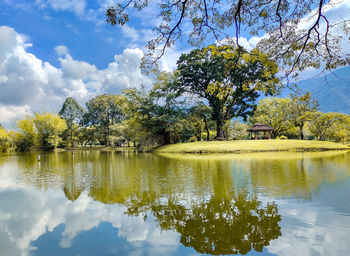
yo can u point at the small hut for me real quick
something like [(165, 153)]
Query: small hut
[(259, 128)]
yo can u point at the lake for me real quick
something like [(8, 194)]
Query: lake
[(112, 203)]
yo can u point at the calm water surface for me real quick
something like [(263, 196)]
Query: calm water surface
[(109, 203)]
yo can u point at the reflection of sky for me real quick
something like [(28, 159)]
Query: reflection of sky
[(44, 222), (27, 215)]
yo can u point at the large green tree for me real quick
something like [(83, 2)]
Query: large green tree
[(157, 112), (49, 127), (73, 113), (27, 135), (229, 78), (300, 110), (330, 126), (104, 110), (297, 33)]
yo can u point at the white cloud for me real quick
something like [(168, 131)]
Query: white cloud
[(130, 32), (61, 50), (76, 6), (11, 113), (29, 84)]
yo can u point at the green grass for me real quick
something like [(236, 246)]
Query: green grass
[(282, 155), (245, 146)]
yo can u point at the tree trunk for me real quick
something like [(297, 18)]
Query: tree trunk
[(199, 133), (301, 133), (166, 138), (206, 128), (71, 138), (220, 135)]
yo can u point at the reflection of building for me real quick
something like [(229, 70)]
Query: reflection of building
[(258, 129)]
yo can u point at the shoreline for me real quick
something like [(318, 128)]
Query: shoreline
[(221, 147), (251, 146)]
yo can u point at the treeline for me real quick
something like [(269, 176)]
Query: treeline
[(139, 118), (210, 88)]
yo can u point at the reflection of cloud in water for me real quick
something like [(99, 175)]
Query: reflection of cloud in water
[(311, 230), (27, 214)]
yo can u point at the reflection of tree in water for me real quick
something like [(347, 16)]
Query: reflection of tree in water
[(217, 226)]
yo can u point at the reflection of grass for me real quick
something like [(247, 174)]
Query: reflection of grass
[(244, 146), (102, 148), (255, 155)]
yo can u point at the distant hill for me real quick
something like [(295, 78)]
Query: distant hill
[(332, 92)]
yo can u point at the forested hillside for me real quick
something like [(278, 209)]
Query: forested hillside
[(332, 91)]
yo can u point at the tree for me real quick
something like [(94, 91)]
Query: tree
[(199, 115), (6, 140), (329, 126), (297, 33), (73, 113), (275, 113), (104, 110), (157, 111), (49, 128), (87, 135), (27, 135), (300, 110), (229, 78), (237, 130)]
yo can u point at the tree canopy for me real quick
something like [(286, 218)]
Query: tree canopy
[(73, 113), (229, 78), (274, 112), (297, 33), (104, 110)]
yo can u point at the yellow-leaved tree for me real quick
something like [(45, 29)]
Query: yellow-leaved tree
[(49, 128)]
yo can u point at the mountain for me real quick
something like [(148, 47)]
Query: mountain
[(332, 91)]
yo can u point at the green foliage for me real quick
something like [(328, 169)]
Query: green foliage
[(6, 140), (87, 135), (157, 112), (73, 113), (229, 78), (275, 112), (27, 135), (301, 109), (236, 130), (49, 127), (200, 119), (104, 111), (330, 126)]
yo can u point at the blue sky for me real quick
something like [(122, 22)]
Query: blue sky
[(86, 34), (53, 49)]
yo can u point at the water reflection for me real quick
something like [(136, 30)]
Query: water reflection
[(210, 204), (216, 226)]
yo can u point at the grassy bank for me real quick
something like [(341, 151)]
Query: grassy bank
[(245, 146)]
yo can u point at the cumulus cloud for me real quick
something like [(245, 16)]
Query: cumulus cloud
[(10, 113), (29, 84)]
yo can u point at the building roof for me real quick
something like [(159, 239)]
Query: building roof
[(260, 128)]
